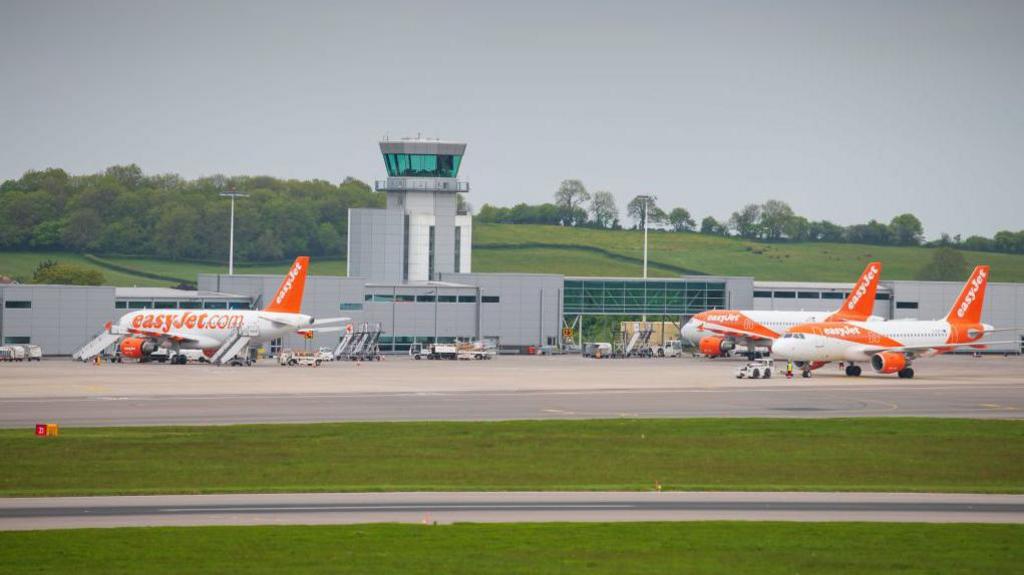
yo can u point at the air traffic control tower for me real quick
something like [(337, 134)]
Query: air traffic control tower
[(419, 235)]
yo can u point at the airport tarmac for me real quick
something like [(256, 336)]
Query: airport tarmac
[(506, 388), (348, 508)]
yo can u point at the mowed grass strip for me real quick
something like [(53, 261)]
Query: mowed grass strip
[(707, 547), (701, 454)]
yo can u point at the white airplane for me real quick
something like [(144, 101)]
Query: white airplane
[(890, 346), (716, 332), (214, 331)]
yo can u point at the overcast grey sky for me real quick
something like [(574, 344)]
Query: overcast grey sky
[(846, 110)]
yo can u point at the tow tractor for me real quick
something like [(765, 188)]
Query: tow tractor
[(757, 369), (291, 357)]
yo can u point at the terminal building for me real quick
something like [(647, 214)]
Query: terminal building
[(410, 273)]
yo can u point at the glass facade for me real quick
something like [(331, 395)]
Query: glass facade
[(458, 248), (14, 304), (430, 256), (422, 165), (630, 296)]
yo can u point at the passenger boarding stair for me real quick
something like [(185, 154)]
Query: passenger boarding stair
[(96, 345), (234, 345), (343, 346), (633, 339), (361, 344)]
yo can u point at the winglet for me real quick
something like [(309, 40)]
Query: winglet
[(860, 304), (288, 298), (967, 308)]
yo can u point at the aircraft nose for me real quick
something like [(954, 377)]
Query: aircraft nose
[(782, 348), (689, 331)]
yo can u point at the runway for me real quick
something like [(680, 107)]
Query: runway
[(345, 508), (801, 400)]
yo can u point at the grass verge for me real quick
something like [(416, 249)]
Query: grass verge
[(942, 455), (709, 547)]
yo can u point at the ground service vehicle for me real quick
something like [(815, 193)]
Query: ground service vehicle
[(717, 332), (33, 352), (16, 353), (293, 358), (759, 368), (672, 348), (474, 350), (597, 349), (891, 346), (434, 351)]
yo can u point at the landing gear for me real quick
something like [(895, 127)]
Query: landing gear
[(853, 370), (906, 373), (179, 360), (805, 373)]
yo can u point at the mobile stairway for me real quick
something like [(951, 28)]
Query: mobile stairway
[(101, 341), (237, 344), (360, 344)]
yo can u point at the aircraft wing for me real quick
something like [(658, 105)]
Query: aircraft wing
[(322, 329), (920, 350), (323, 320), (735, 333), (283, 320)]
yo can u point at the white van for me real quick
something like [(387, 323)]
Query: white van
[(33, 352), (17, 353)]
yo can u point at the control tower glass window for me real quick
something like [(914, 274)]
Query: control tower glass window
[(422, 165)]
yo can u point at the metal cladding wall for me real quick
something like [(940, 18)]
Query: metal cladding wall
[(376, 244), (529, 309), (61, 318)]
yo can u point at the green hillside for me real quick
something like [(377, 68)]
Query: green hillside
[(118, 271), (530, 248), (579, 252)]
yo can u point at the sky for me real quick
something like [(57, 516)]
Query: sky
[(847, 110)]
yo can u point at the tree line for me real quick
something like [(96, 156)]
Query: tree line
[(124, 211), (771, 221)]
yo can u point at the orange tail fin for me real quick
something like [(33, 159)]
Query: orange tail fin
[(288, 298), (967, 308), (860, 304)]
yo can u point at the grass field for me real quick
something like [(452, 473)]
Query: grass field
[(515, 246), (588, 252), (706, 547), (23, 264), (886, 454)]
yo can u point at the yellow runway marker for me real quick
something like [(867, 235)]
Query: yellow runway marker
[(997, 406)]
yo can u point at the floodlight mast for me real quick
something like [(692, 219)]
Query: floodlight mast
[(645, 200), (231, 237)]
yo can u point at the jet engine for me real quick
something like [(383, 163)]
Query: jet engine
[(136, 348), (888, 362), (715, 346)]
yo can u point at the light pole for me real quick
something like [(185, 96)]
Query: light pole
[(645, 199), (231, 239)]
